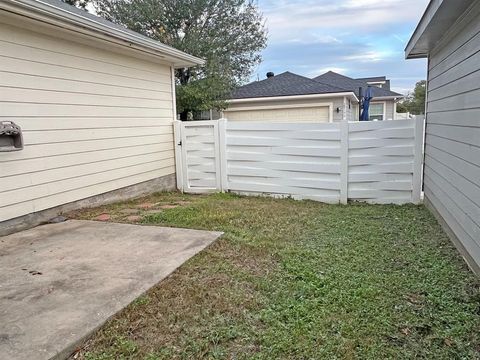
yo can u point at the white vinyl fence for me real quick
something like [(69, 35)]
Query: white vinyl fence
[(376, 162)]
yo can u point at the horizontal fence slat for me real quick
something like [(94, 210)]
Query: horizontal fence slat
[(372, 159), (380, 125), (269, 126), (271, 141), (383, 134), (304, 160)]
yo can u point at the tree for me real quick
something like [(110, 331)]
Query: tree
[(228, 34), (414, 103), (82, 4)]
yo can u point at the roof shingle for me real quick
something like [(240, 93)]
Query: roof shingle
[(346, 82), (284, 84)]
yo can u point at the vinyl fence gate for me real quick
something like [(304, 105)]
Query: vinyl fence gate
[(376, 162)]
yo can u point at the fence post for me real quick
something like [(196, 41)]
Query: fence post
[(419, 123), (222, 137), (344, 155), (177, 138)]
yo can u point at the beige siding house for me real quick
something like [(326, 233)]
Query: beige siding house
[(95, 103), (293, 98), (449, 36)]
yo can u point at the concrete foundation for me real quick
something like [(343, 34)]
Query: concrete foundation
[(165, 183)]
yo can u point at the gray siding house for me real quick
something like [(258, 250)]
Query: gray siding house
[(449, 36)]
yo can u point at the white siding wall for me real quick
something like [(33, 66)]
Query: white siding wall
[(389, 110), (452, 153), (93, 120)]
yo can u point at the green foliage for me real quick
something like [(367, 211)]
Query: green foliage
[(228, 34), (401, 108), (203, 94), (414, 103), (120, 349)]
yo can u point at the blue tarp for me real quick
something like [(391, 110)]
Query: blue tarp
[(366, 104)]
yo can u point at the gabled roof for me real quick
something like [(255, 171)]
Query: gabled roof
[(58, 13), (351, 84), (285, 84), (373, 79)]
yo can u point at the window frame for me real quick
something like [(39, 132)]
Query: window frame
[(384, 114)]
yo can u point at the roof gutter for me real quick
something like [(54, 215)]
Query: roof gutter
[(388, 97), (39, 10), (293, 97)]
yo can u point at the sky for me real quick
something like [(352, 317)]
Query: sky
[(357, 38)]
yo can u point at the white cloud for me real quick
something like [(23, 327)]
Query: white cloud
[(357, 38), (316, 39), (368, 56), (355, 4), (288, 20)]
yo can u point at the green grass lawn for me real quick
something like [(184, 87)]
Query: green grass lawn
[(298, 280)]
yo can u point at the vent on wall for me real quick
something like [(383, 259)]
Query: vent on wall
[(11, 138)]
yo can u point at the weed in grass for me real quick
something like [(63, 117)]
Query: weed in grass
[(300, 280)]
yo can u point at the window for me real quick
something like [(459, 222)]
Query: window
[(376, 112)]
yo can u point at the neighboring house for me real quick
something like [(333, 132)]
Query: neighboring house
[(293, 98), (384, 103), (449, 36), (96, 104)]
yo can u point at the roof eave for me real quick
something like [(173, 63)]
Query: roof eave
[(437, 19), (48, 13), (293, 97), (390, 97)]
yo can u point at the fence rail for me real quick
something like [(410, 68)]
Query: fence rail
[(376, 162)]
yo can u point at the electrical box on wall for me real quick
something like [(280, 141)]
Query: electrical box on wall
[(11, 138)]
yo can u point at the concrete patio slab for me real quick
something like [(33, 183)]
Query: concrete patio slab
[(60, 282)]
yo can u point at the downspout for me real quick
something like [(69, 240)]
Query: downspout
[(394, 108), (174, 95)]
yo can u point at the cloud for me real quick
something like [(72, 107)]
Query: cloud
[(295, 19), (367, 56), (316, 39), (358, 38)]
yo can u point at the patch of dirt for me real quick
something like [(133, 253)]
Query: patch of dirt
[(103, 217), (129, 211), (168, 206), (146, 205)]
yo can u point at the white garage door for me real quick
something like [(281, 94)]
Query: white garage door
[(303, 114)]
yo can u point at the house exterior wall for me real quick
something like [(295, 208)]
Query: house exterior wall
[(452, 151), (290, 108), (389, 110), (93, 120)]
